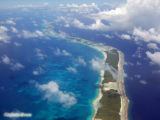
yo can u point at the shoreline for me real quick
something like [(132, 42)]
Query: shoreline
[(100, 95), (124, 99)]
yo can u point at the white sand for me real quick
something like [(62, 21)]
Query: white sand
[(110, 85), (96, 101), (124, 100)]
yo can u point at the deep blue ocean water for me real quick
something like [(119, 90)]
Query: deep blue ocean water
[(18, 91)]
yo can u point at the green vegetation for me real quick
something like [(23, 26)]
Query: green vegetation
[(110, 108), (108, 77), (113, 58)]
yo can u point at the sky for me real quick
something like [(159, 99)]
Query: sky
[(10, 3)]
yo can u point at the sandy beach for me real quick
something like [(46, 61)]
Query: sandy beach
[(96, 101), (124, 99)]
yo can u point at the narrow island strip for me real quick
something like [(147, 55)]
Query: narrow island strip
[(112, 102)]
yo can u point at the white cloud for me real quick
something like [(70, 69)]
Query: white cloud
[(13, 65), (108, 36), (51, 32), (156, 71), (46, 4), (34, 23), (35, 34), (11, 22), (143, 82), (16, 66), (138, 63), (129, 63), (71, 69), (17, 44), (81, 61), (6, 59), (78, 24), (152, 46), (126, 36), (83, 8), (16, 114), (3, 34), (98, 25), (150, 35), (98, 64), (65, 20), (155, 57), (60, 19), (140, 17), (39, 33), (40, 54), (66, 25), (3, 29), (60, 52), (27, 7), (14, 30), (53, 93), (134, 13), (138, 53), (137, 76), (38, 71)]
